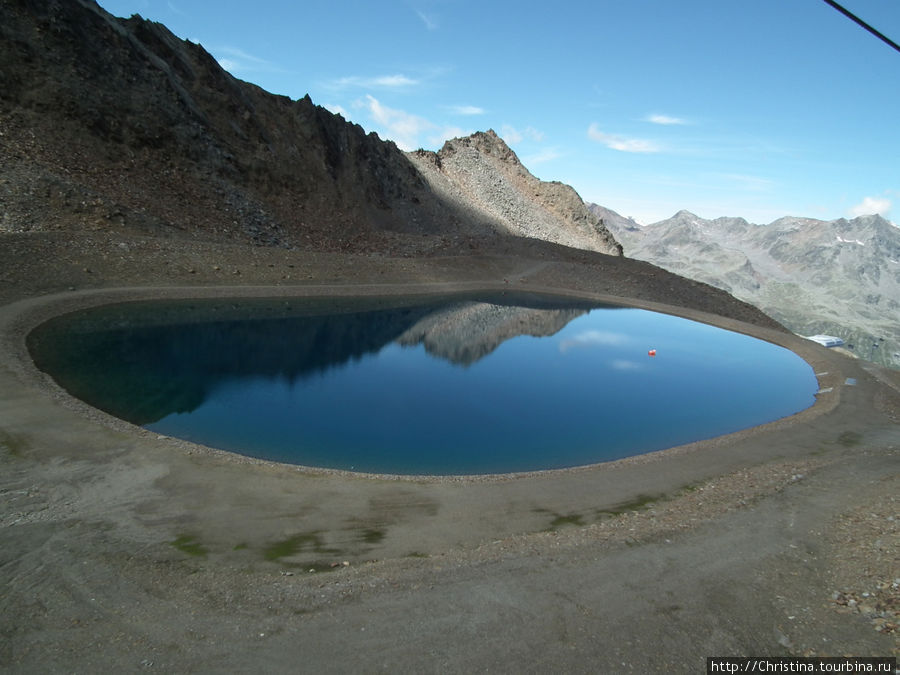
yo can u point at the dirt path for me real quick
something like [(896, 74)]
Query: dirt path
[(122, 551)]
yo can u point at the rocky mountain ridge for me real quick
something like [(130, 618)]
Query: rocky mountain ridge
[(102, 116), (839, 277), (481, 170), (129, 157)]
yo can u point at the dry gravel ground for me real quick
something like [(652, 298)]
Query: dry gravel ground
[(121, 551)]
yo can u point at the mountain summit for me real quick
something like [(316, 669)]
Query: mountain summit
[(483, 173), (130, 156), (103, 115)]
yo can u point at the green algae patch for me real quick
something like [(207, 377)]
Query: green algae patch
[(561, 519), (304, 541), (569, 519), (373, 536), (850, 439), (640, 502), (187, 543), (12, 443)]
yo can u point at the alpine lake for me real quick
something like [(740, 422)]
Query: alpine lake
[(487, 383)]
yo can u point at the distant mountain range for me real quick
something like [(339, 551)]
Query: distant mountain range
[(838, 277)]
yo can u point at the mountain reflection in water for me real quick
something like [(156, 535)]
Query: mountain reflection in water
[(143, 361), (454, 385)]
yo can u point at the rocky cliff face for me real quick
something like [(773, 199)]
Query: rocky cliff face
[(483, 175), (839, 277), (115, 124)]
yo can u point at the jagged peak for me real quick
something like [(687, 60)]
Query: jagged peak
[(875, 219), (486, 142)]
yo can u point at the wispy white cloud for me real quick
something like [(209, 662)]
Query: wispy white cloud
[(337, 110), (237, 61), (593, 338), (393, 81), (399, 126), (622, 143), (664, 120), (429, 20), (534, 135), (545, 155), (408, 131), (512, 135), (624, 364), (396, 81), (872, 206), (466, 110)]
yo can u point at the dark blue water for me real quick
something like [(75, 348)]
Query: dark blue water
[(439, 386)]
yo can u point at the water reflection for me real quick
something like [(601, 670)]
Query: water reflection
[(465, 333), (144, 361), (593, 338), (466, 384)]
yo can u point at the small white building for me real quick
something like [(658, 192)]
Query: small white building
[(826, 340)]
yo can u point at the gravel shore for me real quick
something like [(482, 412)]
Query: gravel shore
[(121, 550)]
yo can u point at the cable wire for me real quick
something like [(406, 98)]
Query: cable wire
[(873, 31)]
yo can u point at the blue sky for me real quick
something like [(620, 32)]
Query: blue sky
[(753, 108)]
